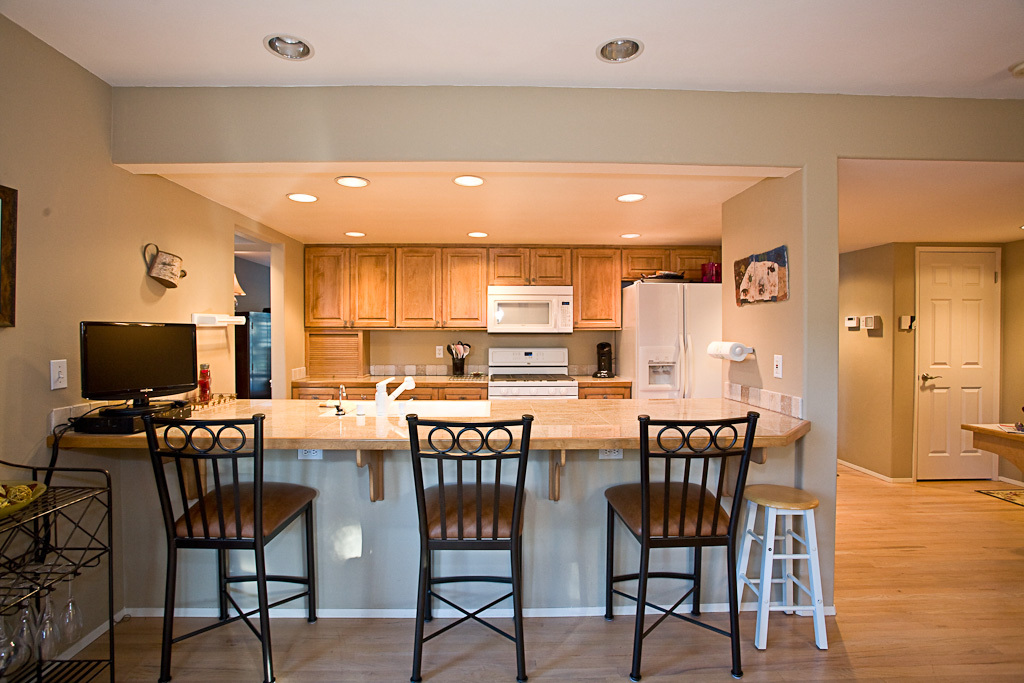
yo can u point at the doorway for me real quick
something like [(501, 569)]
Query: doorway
[(252, 301), (958, 359)]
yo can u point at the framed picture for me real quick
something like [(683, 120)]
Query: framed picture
[(762, 277), (8, 242)]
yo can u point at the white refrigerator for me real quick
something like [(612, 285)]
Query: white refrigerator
[(666, 329)]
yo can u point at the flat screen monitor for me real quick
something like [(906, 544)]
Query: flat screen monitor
[(137, 361)]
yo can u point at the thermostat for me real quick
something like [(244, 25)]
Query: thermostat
[(870, 322), (852, 322)]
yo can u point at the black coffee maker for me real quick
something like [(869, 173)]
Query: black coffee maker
[(604, 360)]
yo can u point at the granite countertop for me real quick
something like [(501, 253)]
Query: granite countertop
[(437, 380), (560, 424)]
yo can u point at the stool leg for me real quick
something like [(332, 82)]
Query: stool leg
[(422, 605), (746, 540), (734, 611), (222, 584), (168, 633), (814, 570), (517, 607), (428, 613), (695, 605), (264, 605), (310, 566), (765, 592), (787, 548), (608, 573), (641, 609)]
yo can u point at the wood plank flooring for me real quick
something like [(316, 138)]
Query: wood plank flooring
[(929, 586)]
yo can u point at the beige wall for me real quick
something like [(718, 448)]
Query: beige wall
[(1012, 386), (82, 223)]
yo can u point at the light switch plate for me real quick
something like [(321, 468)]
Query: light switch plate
[(59, 374), (777, 370), (438, 352)]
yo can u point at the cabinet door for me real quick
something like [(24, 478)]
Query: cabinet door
[(326, 293), (550, 266), (597, 289), (314, 393), (372, 286), (604, 392), (465, 287), (508, 266), (418, 286), (637, 263), (464, 394), (688, 260)]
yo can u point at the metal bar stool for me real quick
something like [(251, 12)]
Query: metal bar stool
[(782, 503), (474, 504), (688, 512), (220, 462)]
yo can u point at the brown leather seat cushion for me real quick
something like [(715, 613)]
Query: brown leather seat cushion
[(626, 499), (280, 502), (506, 501)]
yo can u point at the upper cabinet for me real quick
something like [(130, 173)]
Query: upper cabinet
[(464, 303), (530, 266), (350, 286), (641, 262), (688, 260), (418, 286), (597, 289)]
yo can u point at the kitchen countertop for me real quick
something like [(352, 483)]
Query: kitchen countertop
[(437, 380), (560, 424), (994, 439)]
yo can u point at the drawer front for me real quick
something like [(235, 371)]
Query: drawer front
[(315, 393), (604, 392), (465, 394)]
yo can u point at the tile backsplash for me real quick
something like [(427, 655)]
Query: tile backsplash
[(770, 400), (422, 370)]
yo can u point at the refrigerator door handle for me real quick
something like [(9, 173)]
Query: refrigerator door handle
[(686, 364)]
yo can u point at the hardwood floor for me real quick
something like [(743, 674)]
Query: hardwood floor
[(929, 585)]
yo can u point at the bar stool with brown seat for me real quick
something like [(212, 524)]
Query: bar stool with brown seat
[(469, 497), (782, 503), (682, 507), (214, 497)]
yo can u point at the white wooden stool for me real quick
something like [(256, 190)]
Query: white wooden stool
[(785, 502)]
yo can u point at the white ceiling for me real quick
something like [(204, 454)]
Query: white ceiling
[(933, 48)]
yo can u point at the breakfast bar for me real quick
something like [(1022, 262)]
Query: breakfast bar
[(367, 550)]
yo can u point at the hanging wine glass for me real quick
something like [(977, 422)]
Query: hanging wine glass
[(6, 648), (48, 637), (71, 620), (23, 638)]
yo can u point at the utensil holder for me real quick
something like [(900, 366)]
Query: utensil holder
[(458, 366)]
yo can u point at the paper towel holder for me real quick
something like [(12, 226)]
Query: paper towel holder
[(733, 351)]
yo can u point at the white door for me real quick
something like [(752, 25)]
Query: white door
[(957, 360)]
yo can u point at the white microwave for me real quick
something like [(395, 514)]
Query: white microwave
[(529, 309)]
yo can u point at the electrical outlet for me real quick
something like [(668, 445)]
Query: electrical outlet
[(59, 374), (311, 454), (778, 366), (609, 454), (438, 352)]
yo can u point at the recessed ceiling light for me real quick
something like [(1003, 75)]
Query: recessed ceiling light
[(627, 198), (477, 234), (620, 50), (288, 47), (301, 197), (1018, 70), (355, 234), (630, 235), (351, 181), (468, 181)]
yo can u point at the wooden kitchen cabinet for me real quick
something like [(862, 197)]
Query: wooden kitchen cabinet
[(688, 260), (464, 393), (418, 287), (604, 392), (529, 266), (326, 286), (315, 393), (597, 289), (641, 262), (350, 286), (464, 287)]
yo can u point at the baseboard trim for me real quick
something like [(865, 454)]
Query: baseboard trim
[(1008, 480), (876, 475), (446, 613)]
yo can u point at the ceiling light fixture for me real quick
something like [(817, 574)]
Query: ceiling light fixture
[(629, 198), (620, 50), (1017, 70), (468, 181), (355, 234), (288, 47), (630, 235), (351, 181), (477, 234), (301, 197)]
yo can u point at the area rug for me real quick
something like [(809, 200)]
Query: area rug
[(1015, 496)]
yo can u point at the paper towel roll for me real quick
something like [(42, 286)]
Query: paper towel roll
[(725, 350)]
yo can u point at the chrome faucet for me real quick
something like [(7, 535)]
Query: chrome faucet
[(342, 395), (383, 400)]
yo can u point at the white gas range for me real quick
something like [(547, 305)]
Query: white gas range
[(528, 372)]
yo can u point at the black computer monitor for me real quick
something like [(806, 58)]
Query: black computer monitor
[(137, 361)]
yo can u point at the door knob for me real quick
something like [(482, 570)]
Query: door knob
[(925, 377)]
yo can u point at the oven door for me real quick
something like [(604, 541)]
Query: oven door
[(531, 310)]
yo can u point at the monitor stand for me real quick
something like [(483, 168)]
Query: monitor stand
[(138, 409)]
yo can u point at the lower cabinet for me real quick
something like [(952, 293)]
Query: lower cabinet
[(464, 393), (605, 392)]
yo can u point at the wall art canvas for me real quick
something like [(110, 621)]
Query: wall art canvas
[(763, 277)]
